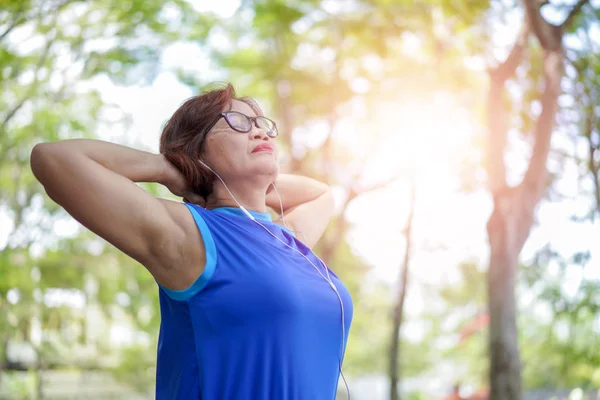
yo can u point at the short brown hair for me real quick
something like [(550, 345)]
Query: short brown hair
[(183, 132)]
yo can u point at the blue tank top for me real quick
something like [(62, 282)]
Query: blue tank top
[(259, 323)]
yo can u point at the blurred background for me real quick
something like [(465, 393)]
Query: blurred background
[(423, 115)]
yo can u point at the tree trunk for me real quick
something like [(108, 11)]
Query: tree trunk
[(332, 242), (399, 308), (505, 367), (512, 217), (39, 381), (593, 142), (4, 359)]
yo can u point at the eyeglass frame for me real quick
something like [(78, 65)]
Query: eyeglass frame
[(252, 124)]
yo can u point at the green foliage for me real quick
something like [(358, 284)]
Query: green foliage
[(562, 352), (368, 343), (301, 59), (417, 396), (465, 305), (47, 50), (136, 368), (20, 387)]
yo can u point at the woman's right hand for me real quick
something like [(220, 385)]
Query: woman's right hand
[(174, 180)]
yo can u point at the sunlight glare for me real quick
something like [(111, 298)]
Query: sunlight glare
[(419, 139), (223, 8), (424, 141)]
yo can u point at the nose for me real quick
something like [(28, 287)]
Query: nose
[(259, 134)]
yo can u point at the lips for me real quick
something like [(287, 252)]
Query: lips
[(263, 147)]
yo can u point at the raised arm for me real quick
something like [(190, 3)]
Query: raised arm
[(94, 181), (307, 205)]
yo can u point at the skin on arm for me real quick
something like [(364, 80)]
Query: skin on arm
[(94, 181), (307, 205)]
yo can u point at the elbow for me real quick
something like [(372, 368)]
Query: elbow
[(328, 200), (39, 149), (43, 165), (36, 158), (39, 159), (322, 189)]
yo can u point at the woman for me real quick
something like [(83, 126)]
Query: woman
[(248, 311)]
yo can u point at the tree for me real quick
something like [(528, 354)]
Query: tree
[(399, 306), (567, 341), (514, 207), (49, 50), (581, 117)]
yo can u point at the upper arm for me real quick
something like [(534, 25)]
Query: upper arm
[(311, 218), (153, 231)]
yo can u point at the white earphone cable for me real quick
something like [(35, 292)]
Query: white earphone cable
[(326, 278)]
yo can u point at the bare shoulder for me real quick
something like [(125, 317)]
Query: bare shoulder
[(181, 216), (182, 254)]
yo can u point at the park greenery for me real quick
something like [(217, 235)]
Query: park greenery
[(525, 74)]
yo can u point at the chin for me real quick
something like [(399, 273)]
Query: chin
[(269, 163), (274, 171), (268, 168)]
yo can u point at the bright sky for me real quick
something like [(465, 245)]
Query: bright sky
[(443, 215)]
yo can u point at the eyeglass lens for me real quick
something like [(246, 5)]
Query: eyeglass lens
[(243, 123)]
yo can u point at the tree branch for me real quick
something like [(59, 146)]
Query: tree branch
[(549, 35), (20, 18), (497, 117), (31, 91), (334, 239), (594, 168), (340, 225), (356, 191), (572, 14), (507, 69), (16, 21), (535, 177)]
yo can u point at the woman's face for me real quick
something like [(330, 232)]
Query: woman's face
[(234, 155)]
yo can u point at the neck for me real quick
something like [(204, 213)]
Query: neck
[(249, 196)]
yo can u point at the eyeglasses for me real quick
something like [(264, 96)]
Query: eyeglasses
[(242, 123)]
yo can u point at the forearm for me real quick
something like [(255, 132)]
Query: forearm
[(135, 165), (294, 190)]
